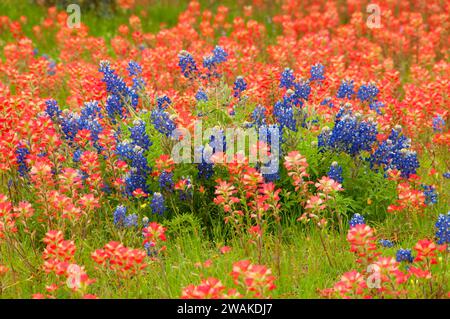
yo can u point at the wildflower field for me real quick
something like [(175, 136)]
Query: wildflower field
[(224, 149)]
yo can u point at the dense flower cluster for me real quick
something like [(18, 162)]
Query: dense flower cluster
[(351, 133), (122, 260), (252, 281)]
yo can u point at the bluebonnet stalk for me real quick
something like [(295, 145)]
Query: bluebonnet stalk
[(335, 172), (119, 215), (134, 68), (350, 134), (346, 89), (386, 243), (52, 109), (404, 255), (131, 221), (77, 155), (163, 102), (139, 135), (187, 64), (134, 155), (166, 181), (283, 112), (88, 119), (239, 86), (201, 96), (259, 116), (367, 92), (376, 106), (162, 122), (205, 169), (316, 72), (302, 90), (287, 78), (438, 123), (357, 219), (443, 229), (395, 153), (120, 94), (218, 56), (431, 196), (21, 155), (272, 136), (328, 102), (157, 204)]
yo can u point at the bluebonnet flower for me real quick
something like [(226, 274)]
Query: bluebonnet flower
[(162, 122), (287, 78), (346, 89), (205, 170), (157, 204), (302, 90), (316, 72), (187, 64), (119, 215), (21, 155), (327, 101), (283, 112), (357, 219), (201, 96), (134, 181), (208, 62), (166, 181), (386, 243), (350, 134), (239, 86), (134, 155), (259, 115), (134, 69), (151, 250), (367, 92), (446, 175), (131, 221), (114, 107), (125, 150), (138, 84), (376, 106), (438, 123), (89, 118), (77, 155), (430, 194), (114, 84), (139, 135), (395, 153), (404, 255), (163, 102), (219, 55), (52, 109), (443, 229), (271, 135), (217, 140), (335, 172)]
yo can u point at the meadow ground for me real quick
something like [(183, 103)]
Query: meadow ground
[(92, 203)]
